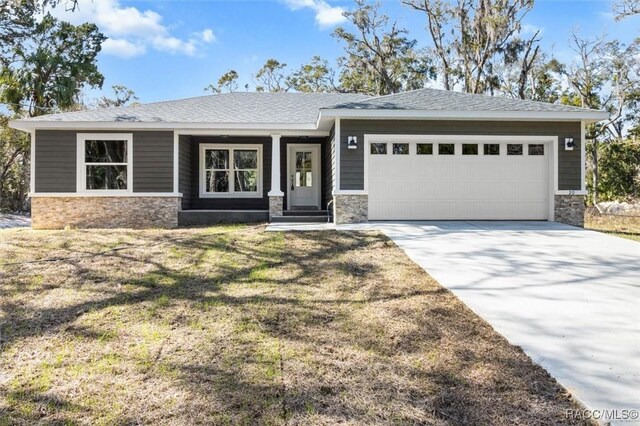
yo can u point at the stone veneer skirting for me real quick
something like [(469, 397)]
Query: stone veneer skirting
[(276, 206), (569, 209), (350, 208), (104, 212)]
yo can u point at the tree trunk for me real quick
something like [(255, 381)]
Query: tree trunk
[(594, 157)]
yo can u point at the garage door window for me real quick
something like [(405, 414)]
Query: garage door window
[(536, 149), (378, 148), (425, 149), (491, 149), (446, 149), (514, 149), (469, 149), (401, 149)]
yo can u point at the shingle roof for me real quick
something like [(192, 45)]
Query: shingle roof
[(284, 110), (443, 100), (240, 107)]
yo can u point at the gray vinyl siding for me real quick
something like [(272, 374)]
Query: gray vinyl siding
[(198, 203), (152, 161), (55, 165), (352, 161), (185, 178)]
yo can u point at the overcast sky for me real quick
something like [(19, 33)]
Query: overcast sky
[(167, 49)]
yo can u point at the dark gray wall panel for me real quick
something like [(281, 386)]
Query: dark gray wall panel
[(185, 179), (55, 163), (352, 161), (56, 160), (199, 218), (152, 161)]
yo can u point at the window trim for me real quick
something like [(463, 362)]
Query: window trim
[(231, 148), (81, 165)]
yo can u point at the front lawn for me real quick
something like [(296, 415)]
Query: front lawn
[(234, 325), (618, 225)]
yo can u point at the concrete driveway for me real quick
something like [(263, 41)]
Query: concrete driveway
[(8, 221), (569, 297)]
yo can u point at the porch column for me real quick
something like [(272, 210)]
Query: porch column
[(276, 196)]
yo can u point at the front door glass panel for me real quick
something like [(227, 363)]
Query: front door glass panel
[(303, 173)]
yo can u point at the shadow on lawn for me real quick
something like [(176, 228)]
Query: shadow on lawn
[(348, 374)]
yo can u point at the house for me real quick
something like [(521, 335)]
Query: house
[(426, 154)]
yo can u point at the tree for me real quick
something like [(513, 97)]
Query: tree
[(625, 8), (50, 70), (471, 37), (227, 82), (316, 76), (122, 96), (43, 68), (271, 77), (17, 20), (380, 58), (14, 152)]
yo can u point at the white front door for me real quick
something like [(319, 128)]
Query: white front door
[(304, 177)]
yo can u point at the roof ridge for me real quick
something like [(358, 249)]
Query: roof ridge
[(478, 95), (395, 94)]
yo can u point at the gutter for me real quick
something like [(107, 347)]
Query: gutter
[(28, 125), (589, 116)]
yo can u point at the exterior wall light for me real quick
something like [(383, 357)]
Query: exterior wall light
[(352, 142), (569, 144)]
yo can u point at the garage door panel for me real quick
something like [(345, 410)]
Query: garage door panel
[(431, 187)]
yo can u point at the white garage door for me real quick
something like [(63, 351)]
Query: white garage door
[(488, 180)]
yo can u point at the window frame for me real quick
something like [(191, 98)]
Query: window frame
[(531, 145), (430, 144), (486, 151), (462, 146), (522, 150), (386, 148), (232, 169), (406, 144), (81, 164), (453, 144)]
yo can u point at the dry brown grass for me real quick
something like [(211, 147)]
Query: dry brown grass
[(234, 325), (621, 226)]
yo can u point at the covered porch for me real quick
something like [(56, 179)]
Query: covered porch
[(226, 178)]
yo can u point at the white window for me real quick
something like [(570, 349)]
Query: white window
[(230, 171), (104, 162)]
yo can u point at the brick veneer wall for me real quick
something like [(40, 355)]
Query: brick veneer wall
[(569, 209), (350, 208), (104, 212)]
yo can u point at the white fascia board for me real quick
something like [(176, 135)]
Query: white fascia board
[(587, 116), (248, 132), (28, 125)]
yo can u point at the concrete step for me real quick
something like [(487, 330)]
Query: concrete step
[(304, 213), (298, 219)]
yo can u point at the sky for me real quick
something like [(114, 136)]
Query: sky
[(170, 49)]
